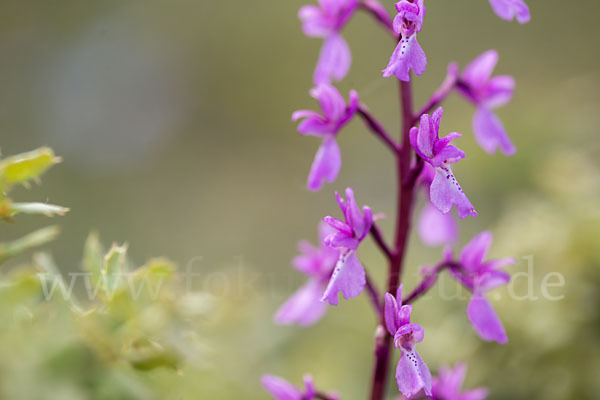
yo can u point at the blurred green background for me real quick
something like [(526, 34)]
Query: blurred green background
[(173, 120)]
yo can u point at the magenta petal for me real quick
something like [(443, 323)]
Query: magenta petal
[(492, 279), (474, 252), (510, 9), (479, 71), (334, 60), (484, 320), (304, 307), (338, 225), (449, 154), (391, 314), (412, 374), (326, 165), (490, 133), (435, 228), (280, 389), (340, 239), (331, 101), (498, 91), (474, 394), (408, 55), (348, 277), (446, 192)]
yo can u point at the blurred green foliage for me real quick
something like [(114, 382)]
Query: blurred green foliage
[(173, 119)]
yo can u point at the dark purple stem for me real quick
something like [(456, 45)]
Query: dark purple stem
[(405, 186), (429, 280), (371, 8), (376, 127), (375, 297), (380, 241), (439, 96)]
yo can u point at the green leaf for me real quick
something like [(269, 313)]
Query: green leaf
[(27, 242), (22, 168)]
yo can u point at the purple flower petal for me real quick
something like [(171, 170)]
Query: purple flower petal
[(315, 22), (331, 101), (446, 192), (490, 133), (449, 382), (315, 125), (408, 55), (338, 225), (510, 9), (484, 319), (435, 228), (348, 277), (342, 240), (473, 254), (498, 91), (391, 314), (412, 374), (423, 139), (478, 72), (326, 165), (492, 279), (280, 389), (408, 334), (475, 394), (304, 307), (334, 60)]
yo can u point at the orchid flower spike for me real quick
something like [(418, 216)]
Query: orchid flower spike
[(326, 21), (349, 275), (408, 54), (439, 153), (334, 115), (412, 373)]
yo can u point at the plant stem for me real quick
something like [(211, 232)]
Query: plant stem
[(405, 187), (428, 281), (376, 127), (378, 238), (375, 297), (371, 7), (440, 94)]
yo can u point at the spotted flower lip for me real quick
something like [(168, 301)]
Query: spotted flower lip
[(412, 373), (334, 115), (408, 54), (326, 21), (480, 277), (445, 191), (511, 9)]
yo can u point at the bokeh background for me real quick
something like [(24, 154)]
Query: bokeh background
[(173, 120)]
